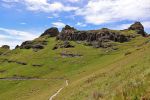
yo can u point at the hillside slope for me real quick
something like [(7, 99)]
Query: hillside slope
[(113, 65)]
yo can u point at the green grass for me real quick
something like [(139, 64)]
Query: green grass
[(99, 74)]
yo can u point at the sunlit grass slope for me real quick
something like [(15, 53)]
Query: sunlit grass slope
[(118, 73)]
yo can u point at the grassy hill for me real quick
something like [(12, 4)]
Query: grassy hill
[(120, 72)]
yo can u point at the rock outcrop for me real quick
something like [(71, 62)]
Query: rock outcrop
[(51, 32), (138, 27), (93, 35), (97, 38), (65, 44), (5, 47), (26, 45), (36, 45)]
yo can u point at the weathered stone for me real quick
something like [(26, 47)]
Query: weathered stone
[(103, 34), (38, 46), (26, 45), (63, 44), (138, 27), (52, 32), (5, 47), (70, 55)]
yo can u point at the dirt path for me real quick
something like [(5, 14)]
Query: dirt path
[(54, 95)]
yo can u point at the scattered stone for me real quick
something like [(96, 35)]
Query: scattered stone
[(62, 44), (13, 61), (37, 65), (21, 63), (64, 55)]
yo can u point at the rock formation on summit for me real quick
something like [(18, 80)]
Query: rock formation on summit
[(96, 38), (52, 32), (92, 35), (138, 27)]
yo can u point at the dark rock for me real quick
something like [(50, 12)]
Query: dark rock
[(67, 27), (26, 45), (37, 65), (5, 47), (55, 47), (138, 27), (21, 63), (52, 32), (17, 47), (13, 61), (67, 44), (91, 36), (63, 44), (33, 44), (70, 55), (37, 46)]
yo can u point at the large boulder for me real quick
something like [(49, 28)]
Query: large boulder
[(26, 45), (52, 32), (138, 27), (38, 46), (5, 47)]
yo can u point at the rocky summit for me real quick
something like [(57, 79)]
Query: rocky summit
[(138, 27), (96, 38)]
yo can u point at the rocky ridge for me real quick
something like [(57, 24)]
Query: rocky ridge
[(96, 38)]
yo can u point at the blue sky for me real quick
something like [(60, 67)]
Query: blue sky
[(22, 20)]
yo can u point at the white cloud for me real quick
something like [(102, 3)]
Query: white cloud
[(58, 24), (146, 24), (14, 37), (81, 24), (104, 11), (45, 6)]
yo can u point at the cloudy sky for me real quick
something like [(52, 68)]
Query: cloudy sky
[(22, 20)]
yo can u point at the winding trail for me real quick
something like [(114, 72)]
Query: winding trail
[(54, 95)]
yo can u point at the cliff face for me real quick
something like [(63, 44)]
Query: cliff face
[(89, 36), (70, 33)]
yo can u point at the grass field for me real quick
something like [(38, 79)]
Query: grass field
[(99, 74)]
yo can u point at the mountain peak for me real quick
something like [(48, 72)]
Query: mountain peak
[(138, 27), (67, 27)]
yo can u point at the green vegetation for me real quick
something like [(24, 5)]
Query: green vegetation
[(121, 72)]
